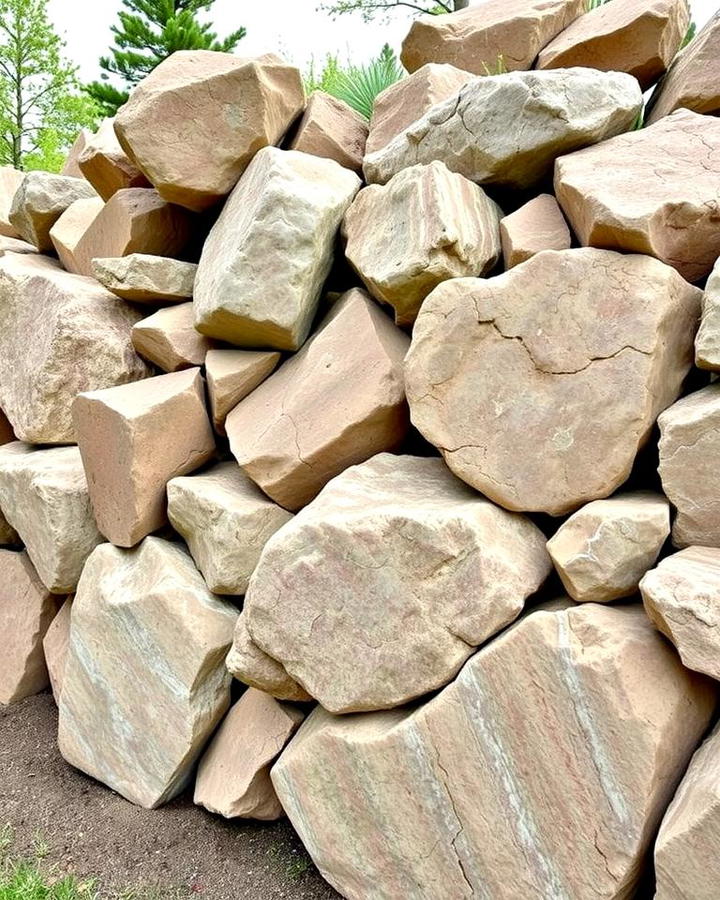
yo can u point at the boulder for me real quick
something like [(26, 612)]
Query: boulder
[(266, 259), (226, 520), (543, 770), (8, 536), (169, 340), (55, 647), (707, 342), (70, 228), (232, 375), (145, 681), (507, 130), (425, 225), (239, 106), (15, 245), (605, 548), (326, 408), (379, 590), (133, 440), (676, 215), (538, 225), (10, 181), (71, 166), (142, 278), (495, 35), (233, 777), (80, 342), (105, 164), (332, 129), (540, 386), (39, 202)]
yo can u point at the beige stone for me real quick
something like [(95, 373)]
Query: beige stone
[(143, 278), (326, 408), (59, 335), (674, 217), (55, 647), (605, 548), (133, 440), (238, 106), (507, 130), (232, 375), (105, 164), (70, 228), (332, 129), (264, 264), (145, 681), (15, 245), (540, 386), (169, 340), (26, 610), (71, 166), (8, 536), (379, 590), (39, 202), (542, 771), (537, 225), (10, 181), (707, 341), (226, 520), (233, 777), (478, 38), (425, 225)]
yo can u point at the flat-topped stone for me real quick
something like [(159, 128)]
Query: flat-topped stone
[(232, 375), (168, 339), (143, 278)]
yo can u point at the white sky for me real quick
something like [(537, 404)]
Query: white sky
[(292, 27)]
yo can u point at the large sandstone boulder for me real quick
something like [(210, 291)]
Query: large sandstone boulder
[(71, 165), (239, 106), (380, 589), (133, 440), (539, 386), (707, 342), (168, 339), (332, 129), (143, 278), (39, 202), (10, 181), (232, 375), (538, 225), (70, 228), (496, 32), (55, 647), (104, 163), (337, 402), (264, 264), (425, 225), (676, 215), (59, 335), (542, 771), (507, 130), (145, 681)]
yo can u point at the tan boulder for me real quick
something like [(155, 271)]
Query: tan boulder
[(425, 225), (169, 340), (10, 181), (8, 536), (233, 777), (240, 105), (71, 166), (55, 647), (540, 386), (226, 520), (506, 33), (145, 682), (133, 440), (605, 548), (39, 202), (104, 163), (142, 278), (70, 228), (332, 129), (232, 375), (15, 245), (266, 259), (707, 341), (507, 130), (328, 407), (59, 335), (542, 771), (537, 225)]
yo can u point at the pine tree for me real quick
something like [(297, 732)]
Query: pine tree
[(371, 8), (148, 32)]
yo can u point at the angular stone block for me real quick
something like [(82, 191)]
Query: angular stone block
[(70, 228), (169, 340), (143, 278), (71, 166), (55, 647), (538, 225), (104, 163), (332, 129), (232, 375), (707, 342), (39, 202)]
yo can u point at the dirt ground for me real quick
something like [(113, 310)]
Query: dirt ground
[(92, 832)]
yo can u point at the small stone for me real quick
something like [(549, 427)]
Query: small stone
[(71, 166), (169, 340), (105, 164), (15, 245), (707, 342), (39, 202), (332, 129), (70, 228), (55, 647), (142, 278), (232, 375), (10, 181), (538, 225)]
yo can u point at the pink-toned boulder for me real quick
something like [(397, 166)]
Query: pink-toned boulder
[(55, 647), (232, 375), (538, 225), (169, 340), (332, 129), (10, 181), (71, 166), (105, 164), (39, 202), (70, 228)]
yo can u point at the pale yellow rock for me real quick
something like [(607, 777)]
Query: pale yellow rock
[(232, 375), (10, 181), (145, 681), (55, 647), (169, 340), (71, 166), (605, 548), (233, 777), (538, 225), (707, 342), (143, 278), (425, 225), (332, 129), (540, 386), (40, 200), (104, 163), (70, 228)]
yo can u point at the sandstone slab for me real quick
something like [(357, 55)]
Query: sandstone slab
[(168, 339), (332, 129), (39, 202), (232, 375), (143, 278), (104, 163), (10, 181), (15, 245), (707, 342), (71, 166), (70, 228), (55, 647), (537, 225)]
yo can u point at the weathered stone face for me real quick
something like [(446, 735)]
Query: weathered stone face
[(71, 166), (70, 228), (143, 278), (40, 200), (169, 340), (55, 647), (10, 181), (536, 226), (707, 342), (332, 129), (232, 375), (104, 163)]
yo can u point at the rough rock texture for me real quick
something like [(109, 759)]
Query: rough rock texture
[(676, 214), (55, 647), (39, 202), (239, 106), (233, 777), (605, 548), (640, 37), (80, 342), (10, 181), (69, 229), (143, 278), (44, 496), (689, 445), (264, 264), (476, 38), (507, 130), (15, 245), (325, 409), (542, 771), (133, 440), (707, 341), (425, 225), (169, 340), (105, 164), (226, 520), (71, 166), (539, 386), (26, 610), (538, 225), (145, 681), (682, 599), (380, 589), (232, 375), (332, 129)]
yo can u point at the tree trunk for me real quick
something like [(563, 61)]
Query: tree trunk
[(461, 4)]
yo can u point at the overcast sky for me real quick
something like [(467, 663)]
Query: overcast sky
[(292, 27)]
